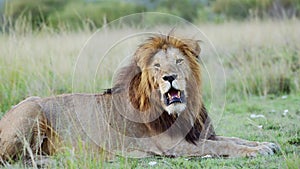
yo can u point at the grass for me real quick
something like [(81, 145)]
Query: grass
[(236, 121), (261, 67)]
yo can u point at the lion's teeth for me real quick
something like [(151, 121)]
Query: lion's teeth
[(169, 95), (179, 93)]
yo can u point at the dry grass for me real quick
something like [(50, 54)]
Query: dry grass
[(36, 64), (260, 58)]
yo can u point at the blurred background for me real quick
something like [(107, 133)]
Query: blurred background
[(257, 42), (76, 14), (252, 45)]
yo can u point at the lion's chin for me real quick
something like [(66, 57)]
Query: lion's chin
[(175, 108)]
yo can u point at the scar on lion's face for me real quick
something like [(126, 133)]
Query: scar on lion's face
[(170, 69)]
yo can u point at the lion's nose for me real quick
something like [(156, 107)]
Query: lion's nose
[(170, 78)]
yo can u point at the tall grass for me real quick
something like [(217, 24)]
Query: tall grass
[(260, 58), (37, 63)]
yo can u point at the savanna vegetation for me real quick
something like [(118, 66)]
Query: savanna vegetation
[(257, 45), (76, 14)]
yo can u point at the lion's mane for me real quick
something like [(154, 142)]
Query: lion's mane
[(135, 79)]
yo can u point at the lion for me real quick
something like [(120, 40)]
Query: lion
[(155, 107)]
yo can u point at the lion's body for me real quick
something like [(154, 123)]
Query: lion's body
[(155, 107)]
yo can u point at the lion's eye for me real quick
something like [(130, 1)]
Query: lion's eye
[(157, 65), (179, 61)]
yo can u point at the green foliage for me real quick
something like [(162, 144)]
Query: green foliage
[(35, 11), (237, 9), (67, 13), (234, 8), (187, 9), (93, 14), (78, 14)]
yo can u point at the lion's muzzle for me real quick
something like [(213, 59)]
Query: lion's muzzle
[(173, 94)]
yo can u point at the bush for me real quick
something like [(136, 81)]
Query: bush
[(187, 9), (67, 13), (35, 11), (237, 9), (93, 14)]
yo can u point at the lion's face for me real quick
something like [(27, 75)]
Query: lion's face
[(164, 74), (169, 71)]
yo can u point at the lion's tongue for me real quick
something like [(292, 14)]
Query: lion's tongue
[(174, 94)]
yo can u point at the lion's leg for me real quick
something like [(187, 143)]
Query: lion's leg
[(217, 148), (20, 131), (240, 141), (237, 141)]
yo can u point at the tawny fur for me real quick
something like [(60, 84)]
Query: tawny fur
[(127, 119)]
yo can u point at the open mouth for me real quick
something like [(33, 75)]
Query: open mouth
[(173, 96)]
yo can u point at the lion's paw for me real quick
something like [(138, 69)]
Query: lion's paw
[(264, 149), (274, 147)]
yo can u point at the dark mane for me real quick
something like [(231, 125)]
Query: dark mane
[(136, 84), (193, 132)]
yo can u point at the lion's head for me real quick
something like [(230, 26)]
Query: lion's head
[(163, 83), (169, 70)]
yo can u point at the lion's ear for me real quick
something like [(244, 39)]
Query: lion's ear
[(193, 46)]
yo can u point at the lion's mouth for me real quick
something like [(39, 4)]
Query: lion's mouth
[(173, 96)]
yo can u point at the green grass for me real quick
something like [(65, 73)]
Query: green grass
[(236, 121), (255, 58)]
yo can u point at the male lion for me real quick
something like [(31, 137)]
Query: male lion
[(154, 107)]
